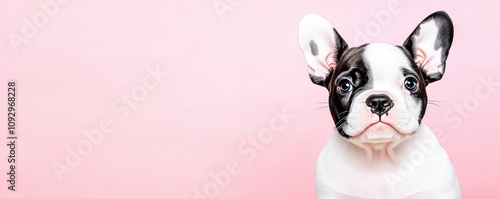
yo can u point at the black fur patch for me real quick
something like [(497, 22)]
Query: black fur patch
[(314, 48), (351, 67)]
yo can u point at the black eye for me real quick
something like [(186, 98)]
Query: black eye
[(411, 84), (344, 87)]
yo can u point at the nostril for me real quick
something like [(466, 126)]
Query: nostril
[(379, 103), (387, 103)]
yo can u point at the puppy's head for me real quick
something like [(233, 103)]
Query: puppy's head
[(376, 91)]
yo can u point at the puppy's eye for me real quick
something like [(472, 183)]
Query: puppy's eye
[(411, 84), (344, 87)]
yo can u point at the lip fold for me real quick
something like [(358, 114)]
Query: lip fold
[(378, 132)]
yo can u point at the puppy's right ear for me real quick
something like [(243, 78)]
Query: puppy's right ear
[(429, 44), (322, 46)]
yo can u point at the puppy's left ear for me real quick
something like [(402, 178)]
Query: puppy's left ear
[(430, 43)]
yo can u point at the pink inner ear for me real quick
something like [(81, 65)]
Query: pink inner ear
[(420, 57), (330, 60)]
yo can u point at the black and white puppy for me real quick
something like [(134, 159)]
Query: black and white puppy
[(377, 98)]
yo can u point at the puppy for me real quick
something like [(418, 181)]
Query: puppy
[(377, 98)]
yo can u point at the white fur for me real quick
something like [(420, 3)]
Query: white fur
[(388, 79), (417, 168), (316, 28)]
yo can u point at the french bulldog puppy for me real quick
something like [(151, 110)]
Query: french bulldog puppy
[(377, 99)]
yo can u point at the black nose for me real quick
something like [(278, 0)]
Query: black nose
[(379, 103)]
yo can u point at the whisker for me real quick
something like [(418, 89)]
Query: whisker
[(343, 112), (434, 104), (342, 125), (322, 107), (342, 120)]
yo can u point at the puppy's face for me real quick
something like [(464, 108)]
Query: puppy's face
[(376, 91)]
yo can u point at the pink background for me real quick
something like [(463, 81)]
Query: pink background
[(226, 76)]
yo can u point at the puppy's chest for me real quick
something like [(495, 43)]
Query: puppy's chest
[(375, 182), (378, 178)]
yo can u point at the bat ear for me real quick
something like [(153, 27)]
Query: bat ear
[(429, 44), (322, 47)]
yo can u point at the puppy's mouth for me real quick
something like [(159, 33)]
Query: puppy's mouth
[(379, 132)]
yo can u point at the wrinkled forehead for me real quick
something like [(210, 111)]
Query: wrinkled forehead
[(387, 62)]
